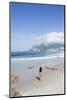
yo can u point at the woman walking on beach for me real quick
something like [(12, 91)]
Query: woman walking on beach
[(40, 71)]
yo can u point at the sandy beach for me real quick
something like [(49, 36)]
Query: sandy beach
[(52, 82)]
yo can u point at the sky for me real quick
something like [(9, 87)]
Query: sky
[(33, 24)]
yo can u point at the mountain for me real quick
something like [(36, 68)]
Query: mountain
[(43, 47)]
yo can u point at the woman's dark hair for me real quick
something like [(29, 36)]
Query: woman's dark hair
[(40, 69)]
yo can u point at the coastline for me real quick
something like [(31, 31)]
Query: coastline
[(51, 56), (52, 79)]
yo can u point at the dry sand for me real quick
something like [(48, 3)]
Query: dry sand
[(52, 79), (52, 82)]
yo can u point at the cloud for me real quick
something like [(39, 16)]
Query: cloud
[(49, 38)]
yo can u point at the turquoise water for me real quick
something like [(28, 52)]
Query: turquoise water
[(19, 63), (29, 54)]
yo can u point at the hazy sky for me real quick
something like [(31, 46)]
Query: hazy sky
[(32, 24)]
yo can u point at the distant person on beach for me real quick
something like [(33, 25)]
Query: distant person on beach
[(40, 71), (40, 74)]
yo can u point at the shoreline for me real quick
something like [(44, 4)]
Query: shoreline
[(52, 81), (37, 58)]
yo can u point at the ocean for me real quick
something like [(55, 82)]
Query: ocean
[(29, 54), (24, 60)]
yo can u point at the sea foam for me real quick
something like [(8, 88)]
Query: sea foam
[(37, 58)]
